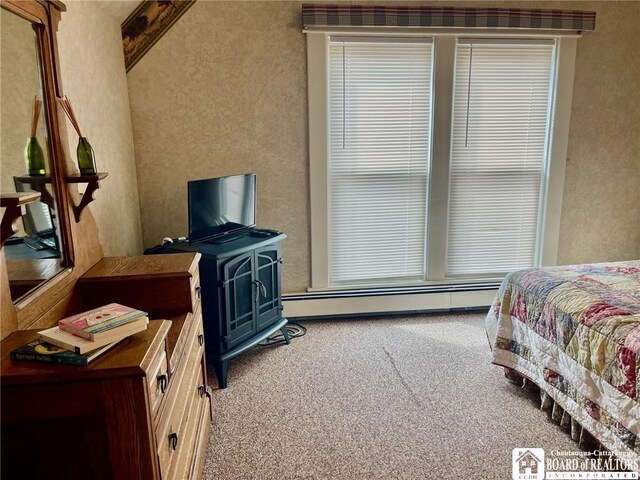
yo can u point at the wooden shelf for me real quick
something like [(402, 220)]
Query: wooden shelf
[(10, 200), (39, 183), (14, 204), (93, 183), (34, 179), (86, 178)]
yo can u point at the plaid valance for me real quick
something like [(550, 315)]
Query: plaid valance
[(392, 16)]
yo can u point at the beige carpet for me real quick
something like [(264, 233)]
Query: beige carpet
[(403, 397)]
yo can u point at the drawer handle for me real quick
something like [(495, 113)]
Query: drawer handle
[(201, 339), (202, 391), (173, 441), (162, 382), (198, 291)]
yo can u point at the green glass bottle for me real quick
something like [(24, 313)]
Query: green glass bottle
[(34, 157), (86, 158)]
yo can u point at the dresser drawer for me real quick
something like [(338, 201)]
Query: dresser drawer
[(203, 425), (183, 391), (158, 380), (174, 439), (178, 343), (201, 440), (181, 468)]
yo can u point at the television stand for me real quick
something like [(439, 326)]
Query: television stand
[(240, 283)]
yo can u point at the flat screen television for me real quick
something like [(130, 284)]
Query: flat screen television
[(220, 207)]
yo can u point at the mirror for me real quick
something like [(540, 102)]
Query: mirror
[(33, 254)]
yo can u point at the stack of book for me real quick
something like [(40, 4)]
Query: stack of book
[(81, 338)]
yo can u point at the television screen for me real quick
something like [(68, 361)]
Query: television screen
[(221, 206)]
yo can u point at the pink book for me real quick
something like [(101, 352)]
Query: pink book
[(89, 324)]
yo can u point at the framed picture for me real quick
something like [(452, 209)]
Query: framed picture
[(146, 25)]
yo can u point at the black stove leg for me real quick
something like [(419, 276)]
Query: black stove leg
[(221, 368), (285, 334)]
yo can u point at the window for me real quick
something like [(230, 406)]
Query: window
[(379, 135), (501, 114), (435, 160)]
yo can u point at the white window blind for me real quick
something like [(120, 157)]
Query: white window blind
[(379, 147), (498, 153)]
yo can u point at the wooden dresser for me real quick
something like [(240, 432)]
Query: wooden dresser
[(141, 411)]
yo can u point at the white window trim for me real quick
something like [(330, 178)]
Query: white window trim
[(437, 218), (317, 82), (552, 206), (317, 78)]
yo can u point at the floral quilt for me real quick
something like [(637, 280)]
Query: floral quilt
[(575, 331)]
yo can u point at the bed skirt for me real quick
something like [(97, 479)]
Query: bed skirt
[(579, 434)]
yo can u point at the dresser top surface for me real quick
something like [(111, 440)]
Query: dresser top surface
[(142, 267), (129, 358)]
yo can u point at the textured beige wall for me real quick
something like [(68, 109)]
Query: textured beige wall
[(94, 79), (225, 92), (601, 208)]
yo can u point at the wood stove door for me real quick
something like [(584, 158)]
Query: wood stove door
[(239, 295), (268, 262)]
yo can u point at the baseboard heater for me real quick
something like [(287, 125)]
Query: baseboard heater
[(367, 301)]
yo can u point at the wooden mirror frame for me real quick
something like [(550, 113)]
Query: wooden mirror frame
[(81, 247)]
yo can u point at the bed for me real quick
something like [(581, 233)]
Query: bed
[(575, 332)]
